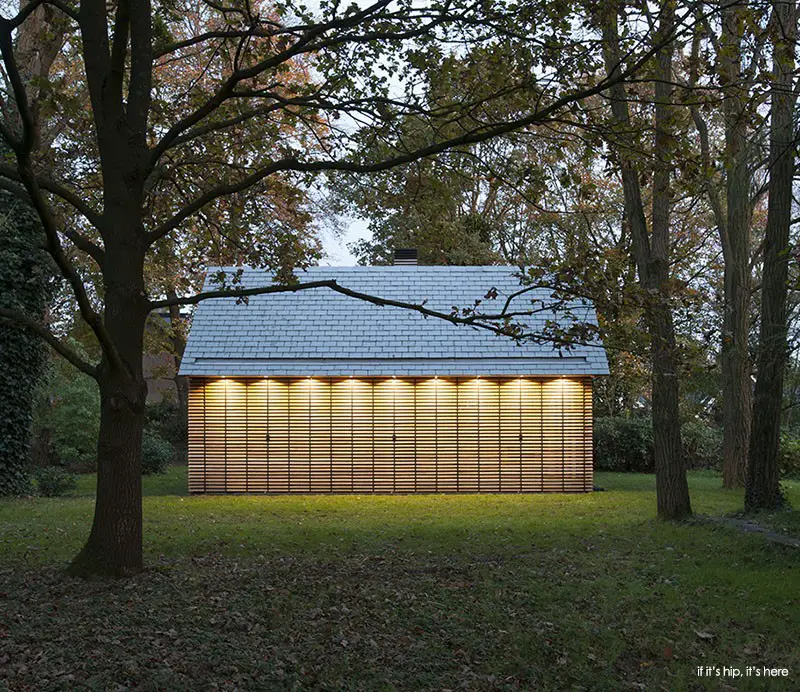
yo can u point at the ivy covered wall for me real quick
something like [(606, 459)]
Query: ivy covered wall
[(23, 280)]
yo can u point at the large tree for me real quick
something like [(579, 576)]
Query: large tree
[(270, 224), (724, 99), (734, 229), (651, 242), (131, 145), (762, 491)]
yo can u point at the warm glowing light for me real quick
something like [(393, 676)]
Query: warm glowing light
[(484, 437)]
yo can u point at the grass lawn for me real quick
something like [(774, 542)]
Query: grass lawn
[(477, 592)]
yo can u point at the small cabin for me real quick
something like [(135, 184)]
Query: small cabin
[(316, 392)]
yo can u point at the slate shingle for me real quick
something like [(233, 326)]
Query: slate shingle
[(320, 332)]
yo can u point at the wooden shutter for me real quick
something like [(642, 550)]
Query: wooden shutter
[(343, 435)]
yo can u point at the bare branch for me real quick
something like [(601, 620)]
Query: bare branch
[(7, 173), (292, 164), (516, 294), (40, 204), (83, 243), (54, 247), (706, 178)]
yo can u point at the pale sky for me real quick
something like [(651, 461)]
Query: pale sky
[(336, 247)]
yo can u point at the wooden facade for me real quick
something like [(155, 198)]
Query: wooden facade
[(390, 435)]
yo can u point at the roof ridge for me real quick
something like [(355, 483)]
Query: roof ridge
[(378, 267)]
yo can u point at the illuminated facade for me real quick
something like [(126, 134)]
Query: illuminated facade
[(374, 410)]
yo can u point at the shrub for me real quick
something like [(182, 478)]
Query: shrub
[(67, 419), (625, 443), (54, 481), (790, 457), (702, 445), (165, 420), (156, 453)]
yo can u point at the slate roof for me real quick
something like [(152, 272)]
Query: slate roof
[(318, 332)]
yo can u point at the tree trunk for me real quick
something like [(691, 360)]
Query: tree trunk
[(652, 262), (763, 482), (672, 489), (120, 101), (737, 403), (114, 546), (734, 231)]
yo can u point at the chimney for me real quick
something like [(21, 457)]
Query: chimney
[(405, 256)]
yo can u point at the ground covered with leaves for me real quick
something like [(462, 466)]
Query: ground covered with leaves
[(481, 592)]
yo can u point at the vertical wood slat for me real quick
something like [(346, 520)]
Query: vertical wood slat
[(404, 400), (469, 435), (426, 432), (196, 445), (446, 435), (510, 429), (342, 437), (531, 430), (363, 462), (278, 436), (382, 434), (385, 435)]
